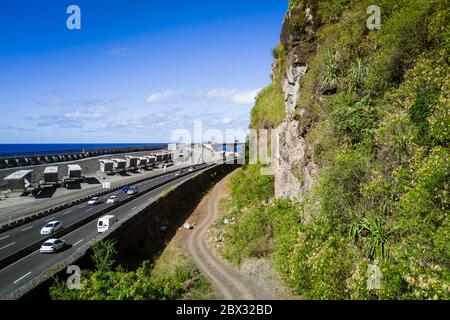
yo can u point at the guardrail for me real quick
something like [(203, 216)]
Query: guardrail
[(21, 221), (34, 246)]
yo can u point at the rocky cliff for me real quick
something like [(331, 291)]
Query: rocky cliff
[(362, 118), (293, 163)]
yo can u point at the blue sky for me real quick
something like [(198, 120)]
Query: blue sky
[(137, 71)]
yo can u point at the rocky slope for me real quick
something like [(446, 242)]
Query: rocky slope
[(293, 165), (361, 175)]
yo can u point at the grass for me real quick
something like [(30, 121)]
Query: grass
[(269, 110)]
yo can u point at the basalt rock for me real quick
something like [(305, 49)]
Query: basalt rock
[(293, 166)]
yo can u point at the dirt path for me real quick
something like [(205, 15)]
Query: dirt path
[(230, 283)]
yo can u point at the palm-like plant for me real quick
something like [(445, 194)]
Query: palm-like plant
[(357, 75), (376, 238)]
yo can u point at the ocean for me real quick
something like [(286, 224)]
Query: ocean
[(21, 149), (229, 148)]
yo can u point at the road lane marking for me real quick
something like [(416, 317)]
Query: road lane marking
[(77, 242), (46, 220), (4, 237), (67, 212), (84, 205), (27, 228), (133, 209), (89, 209), (7, 245), (21, 277)]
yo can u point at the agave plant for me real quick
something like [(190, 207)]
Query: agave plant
[(376, 238), (330, 74), (357, 74)]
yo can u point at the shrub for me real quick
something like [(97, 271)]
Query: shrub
[(104, 255), (249, 186), (251, 236), (354, 119), (374, 235), (339, 187), (401, 39), (141, 284)]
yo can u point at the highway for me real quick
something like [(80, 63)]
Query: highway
[(23, 236), (19, 272)]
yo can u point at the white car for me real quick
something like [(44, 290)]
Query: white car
[(94, 200), (51, 227), (52, 245), (191, 169), (132, 190), (177, 173), (111, 200)]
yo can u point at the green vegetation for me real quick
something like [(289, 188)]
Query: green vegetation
[(381, 140), (268, 111), (104, 255), (269, 108), (172, 277), (249, 186)]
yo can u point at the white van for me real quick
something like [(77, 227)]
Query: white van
[(105, 222)]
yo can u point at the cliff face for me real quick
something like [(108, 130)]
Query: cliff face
[(363, 141), (363, 124), (293, 163)]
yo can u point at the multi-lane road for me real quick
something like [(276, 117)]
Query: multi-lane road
[(33, 264)]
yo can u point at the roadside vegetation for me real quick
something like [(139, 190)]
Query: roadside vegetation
[(171, 276), (381, 140)]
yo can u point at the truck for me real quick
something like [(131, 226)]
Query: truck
[(105, 222)]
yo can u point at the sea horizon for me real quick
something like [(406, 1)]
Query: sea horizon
[(14, 149)]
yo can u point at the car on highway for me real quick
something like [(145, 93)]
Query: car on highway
[(132, 190), (105, 222), (51, 227), (191, 169), (52, 245), (111, 200), (94, 200), (178, 173)]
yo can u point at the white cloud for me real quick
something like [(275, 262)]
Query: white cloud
[(226, 120), (119, 51), (233, 96), (163, 96), (63, 100), (89, 114), (71, 119)]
